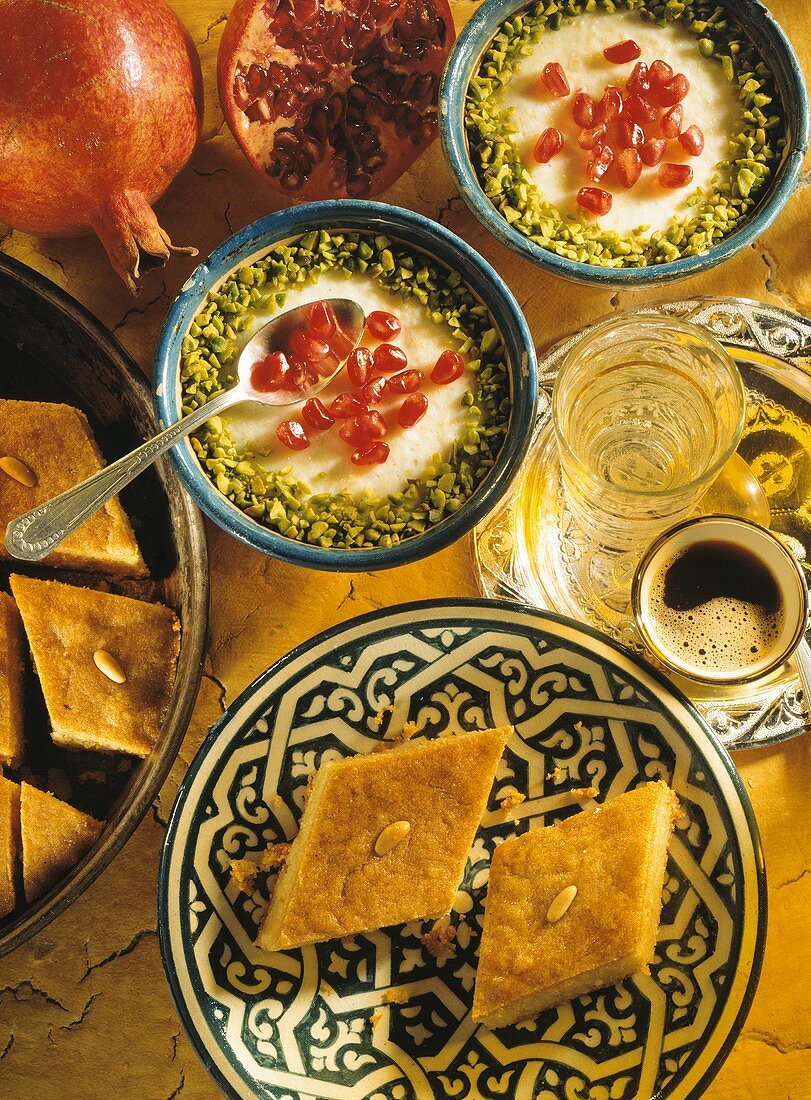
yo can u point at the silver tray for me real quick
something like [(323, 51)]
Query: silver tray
[(773, 350)]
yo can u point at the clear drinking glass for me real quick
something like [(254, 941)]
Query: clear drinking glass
[(646, 412)]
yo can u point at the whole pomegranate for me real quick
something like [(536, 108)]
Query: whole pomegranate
[(329, 98), (100, 108)]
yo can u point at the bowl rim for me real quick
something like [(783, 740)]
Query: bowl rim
[(194, 628), (416, 231), (465, 55)]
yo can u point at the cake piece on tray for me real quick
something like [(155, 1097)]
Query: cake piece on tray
[(106, 663), (11, 683), (383, 839), (573, 907), (9, 843), (44, 450), (55, 836)]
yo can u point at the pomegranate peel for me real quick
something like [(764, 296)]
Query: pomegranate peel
[(64, 169)]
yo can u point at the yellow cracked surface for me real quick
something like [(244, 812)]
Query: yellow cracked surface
[(84, 1010)]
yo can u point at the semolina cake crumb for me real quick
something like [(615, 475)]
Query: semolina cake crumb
[(440, 941), (274, 856), (511, 801), (243, 874), (580, 794), (396, 996)]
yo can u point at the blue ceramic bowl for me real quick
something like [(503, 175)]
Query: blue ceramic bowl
[(448, 251), (778, 53)]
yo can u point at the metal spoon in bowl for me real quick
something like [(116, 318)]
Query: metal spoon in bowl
[(336, 323)]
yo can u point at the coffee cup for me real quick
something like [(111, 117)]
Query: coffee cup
[(720, 600)]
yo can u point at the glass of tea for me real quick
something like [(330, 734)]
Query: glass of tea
[(646, 411), (720, 600)]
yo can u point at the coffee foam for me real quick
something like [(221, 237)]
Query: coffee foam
[(723, 635)]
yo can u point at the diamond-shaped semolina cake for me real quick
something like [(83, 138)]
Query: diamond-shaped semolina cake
[(55, 836), (383, 839), (574, 906), (11, 683), (9, 843), (57, 449), (72, 631)]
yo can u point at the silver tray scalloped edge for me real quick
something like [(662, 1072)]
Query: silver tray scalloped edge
[(772, 711)]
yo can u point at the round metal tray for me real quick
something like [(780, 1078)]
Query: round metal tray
[(518, 550), (52, 349)]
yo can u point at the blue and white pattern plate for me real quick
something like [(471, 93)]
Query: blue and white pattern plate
[(377, 1017)]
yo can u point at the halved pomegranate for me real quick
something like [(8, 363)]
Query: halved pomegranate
[(329, 99)]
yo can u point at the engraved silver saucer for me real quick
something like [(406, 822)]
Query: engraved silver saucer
[(521, 552)]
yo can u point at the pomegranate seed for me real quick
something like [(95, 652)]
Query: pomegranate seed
[(407, 381), (599, 162), (583, 110), (659, 73), (359, 366), (292, 435), (548, 145), (448, 367), (372, 391), (640, 110), (652, 151), (341, 344), (373, 455), (628, 166), (674, 91), (257, 77), (554, 78), (362, 430), (302, 377), (383, 325), (692, 141), (349, 433), (638, 83), (322, 320), (610, 106), (671, 122), (621, 52), (270, 373), (372, 424), (308, 347), (589, 138), (412, 409), (594, 199), (346, 405), (389, 358), (629, 134), (315, 415), (674, 175)]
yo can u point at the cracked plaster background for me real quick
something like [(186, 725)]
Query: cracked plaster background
[(84, 1011)]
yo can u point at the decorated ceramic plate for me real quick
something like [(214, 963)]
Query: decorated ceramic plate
[(376, 1017)]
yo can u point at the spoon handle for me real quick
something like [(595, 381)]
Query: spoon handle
[(33, 536)]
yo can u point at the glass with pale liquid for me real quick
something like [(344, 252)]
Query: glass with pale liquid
[(646, 411)]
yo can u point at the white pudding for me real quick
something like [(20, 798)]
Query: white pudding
[(712, 103), (325, 466)]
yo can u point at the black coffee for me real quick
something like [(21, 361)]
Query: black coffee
[(717, 606), (718, 569)]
